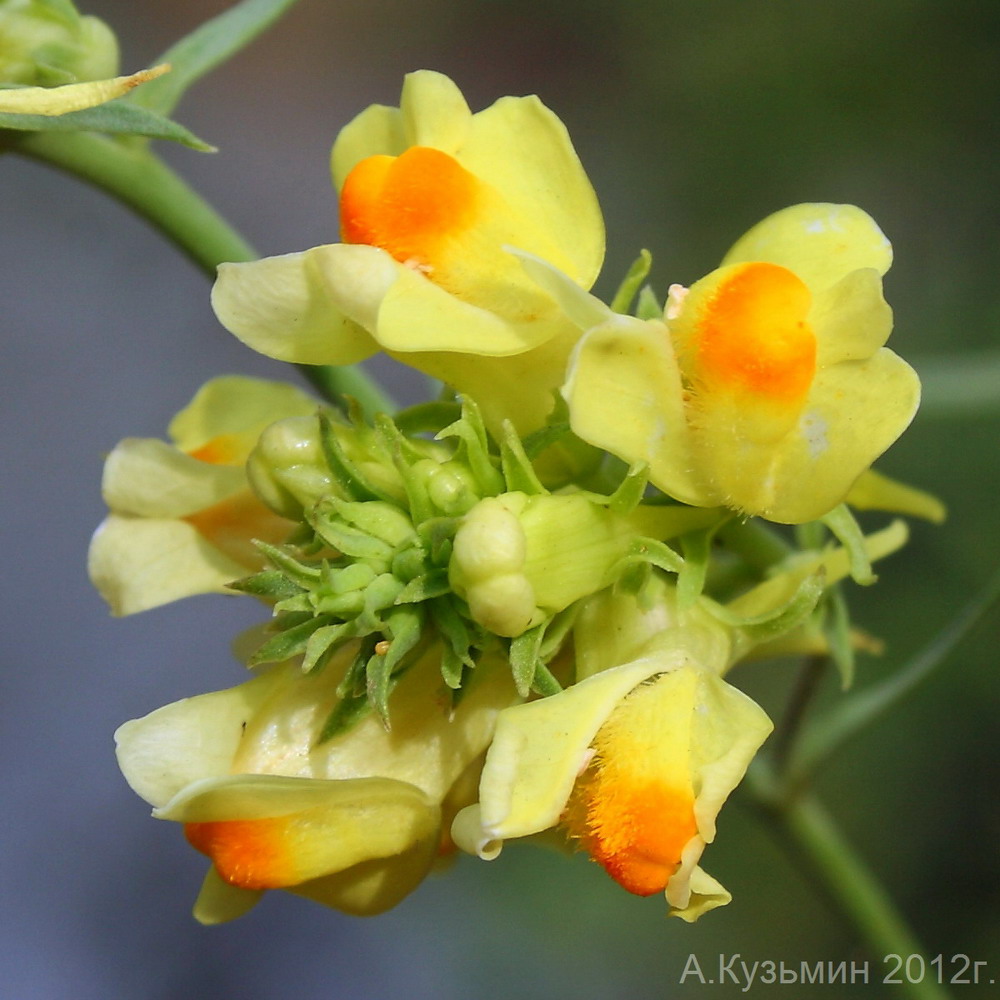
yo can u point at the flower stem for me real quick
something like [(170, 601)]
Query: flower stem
[(135, 176), (805, 825)]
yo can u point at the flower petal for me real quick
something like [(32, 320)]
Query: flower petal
[(819, 242), (237, 409), (271, 831), (189, 740), (625, 395), (856, 410), (283, 307), (141, 563), (145, 477), (539, 749)]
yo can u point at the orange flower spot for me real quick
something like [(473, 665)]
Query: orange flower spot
[(633, 808), (409, 205), (247, 853), (226, 449), (753, 335)]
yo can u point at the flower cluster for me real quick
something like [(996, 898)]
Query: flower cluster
[(510, 612)]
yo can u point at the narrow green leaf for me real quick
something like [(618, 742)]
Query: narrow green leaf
[(119, 117), (209, 45)]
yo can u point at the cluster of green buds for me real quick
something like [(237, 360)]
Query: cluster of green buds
[(48, 43), (405, 541)]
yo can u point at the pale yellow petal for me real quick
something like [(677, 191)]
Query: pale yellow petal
[(855, 411), (283, 307), (523, 150), (188, 740), (820, 242), (540, 748), (377, 131), (146, 477), (851, 318), (625, 395), (137, 563), (239, 408), (434, 112), (219, 902), (703, 893)]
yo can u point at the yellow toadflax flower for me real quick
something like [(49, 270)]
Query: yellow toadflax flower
[(182, 513), (635, 762), (431, 197), (767, 387), (353, 821)]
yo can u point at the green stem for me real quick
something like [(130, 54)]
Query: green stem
[(137, 178), (811, 832)]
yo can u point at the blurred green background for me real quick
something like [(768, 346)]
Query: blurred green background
[(694, 118)]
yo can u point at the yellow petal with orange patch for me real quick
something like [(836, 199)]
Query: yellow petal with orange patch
[(633, 808), (751, 334), (412, 205)]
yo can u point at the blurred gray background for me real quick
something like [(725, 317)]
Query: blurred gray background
[(694, 118)]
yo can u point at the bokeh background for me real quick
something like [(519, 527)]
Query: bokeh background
[(694, 118)]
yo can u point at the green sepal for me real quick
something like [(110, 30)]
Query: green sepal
[(473, 448), (345, 714), (837, 630), (425, 588), (525, 659), (350, 478), (208, 46), (516, 466), (777, 621), (297, 572), (427, 418), (648, 306), (454, 629), (697, 549), (847, 531), (289, 642), (637, 273), (630, 490), (352, 542), (271, 584), (404, 628), (651, 552), (324, 642), (120, 117)]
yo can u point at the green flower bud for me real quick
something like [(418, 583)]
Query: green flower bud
[(451, 486), (46, 43), (518, 560), (287, 469)]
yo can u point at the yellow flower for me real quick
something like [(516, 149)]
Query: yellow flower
[(182, 513), (354, 821), (767, 387), (431, 197), (635, 762)]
